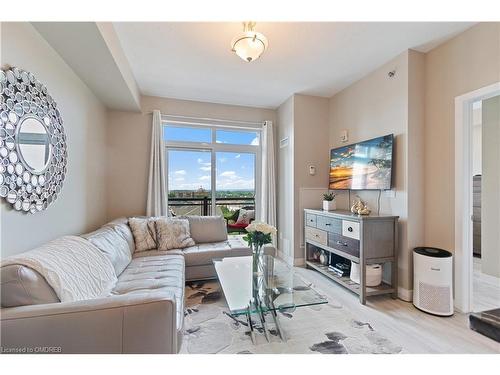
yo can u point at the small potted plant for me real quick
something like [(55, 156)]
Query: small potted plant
[(329, 203)]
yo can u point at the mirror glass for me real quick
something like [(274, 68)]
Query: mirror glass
[(33, 144)]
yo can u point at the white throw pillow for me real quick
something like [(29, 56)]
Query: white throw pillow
[(245, 216), (144, 232), (173, 234)]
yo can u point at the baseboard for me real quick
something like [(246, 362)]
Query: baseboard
[(405, 294), (299, 262)]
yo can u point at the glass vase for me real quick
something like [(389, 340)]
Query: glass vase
[(257, 262)]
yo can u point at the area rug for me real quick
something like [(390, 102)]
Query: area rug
[(328, 329)]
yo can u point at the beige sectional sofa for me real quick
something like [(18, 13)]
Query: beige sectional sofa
[(144, 311)]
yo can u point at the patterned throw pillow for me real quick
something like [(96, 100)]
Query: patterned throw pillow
[(144, 232), (173, 234), (245, 216)]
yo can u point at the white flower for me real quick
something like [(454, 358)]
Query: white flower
[(257, 226)]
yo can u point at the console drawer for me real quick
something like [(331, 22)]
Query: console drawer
[(350, 229), (311, 220), (346, 244), (316, 235), (329, 224)]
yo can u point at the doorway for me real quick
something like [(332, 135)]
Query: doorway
[(477, 200)]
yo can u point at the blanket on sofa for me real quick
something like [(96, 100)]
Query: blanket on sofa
[(72, 266)]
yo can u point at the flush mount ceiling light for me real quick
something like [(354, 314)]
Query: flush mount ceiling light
[(250, 44)]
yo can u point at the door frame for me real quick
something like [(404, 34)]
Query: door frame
[(463, 193)]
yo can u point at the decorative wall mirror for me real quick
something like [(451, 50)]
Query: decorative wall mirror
[(33, 150)]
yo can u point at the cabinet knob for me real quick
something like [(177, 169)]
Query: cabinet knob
[(341, 243), (350, 229)]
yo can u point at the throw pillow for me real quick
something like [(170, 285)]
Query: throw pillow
[(173, 234), (144, 232), (245, 216)]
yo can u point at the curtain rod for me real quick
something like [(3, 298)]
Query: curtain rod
[(211, 119)]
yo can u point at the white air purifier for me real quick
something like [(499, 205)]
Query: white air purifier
[(432, 280)]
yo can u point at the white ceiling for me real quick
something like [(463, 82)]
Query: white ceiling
[(193, 60)]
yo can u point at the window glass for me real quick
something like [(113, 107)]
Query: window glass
[(175, 133), (234, 137)]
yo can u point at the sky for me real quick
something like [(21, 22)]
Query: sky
[(190, 169)]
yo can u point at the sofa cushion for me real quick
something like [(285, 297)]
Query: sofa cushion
[(154, 252), (173, 234), (21, 286), (144, 232), (159, 272), (113, 244), (203, 254), (121, 226), (206, 229)]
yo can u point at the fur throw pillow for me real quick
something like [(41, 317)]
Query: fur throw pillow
[(173, 234), (144, 232)]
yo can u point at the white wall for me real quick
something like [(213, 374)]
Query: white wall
[(285, 194), (378, 105), (490, 188), (311, 132), (303, 120), (463, 64), (81, 205)]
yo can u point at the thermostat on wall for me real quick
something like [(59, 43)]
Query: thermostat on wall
[(312, 170)]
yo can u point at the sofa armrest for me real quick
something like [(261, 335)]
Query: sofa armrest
[(135, 323)]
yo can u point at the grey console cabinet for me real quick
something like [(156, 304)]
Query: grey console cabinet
[(364, 240)]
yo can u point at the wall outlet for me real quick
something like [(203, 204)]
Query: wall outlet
[(390, 193)]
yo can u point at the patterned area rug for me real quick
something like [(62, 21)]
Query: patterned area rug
[(327, 329)]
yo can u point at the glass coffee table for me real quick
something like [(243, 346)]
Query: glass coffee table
[(277, 288)]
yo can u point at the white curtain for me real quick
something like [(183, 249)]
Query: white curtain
[(268, 188), (157, 203)]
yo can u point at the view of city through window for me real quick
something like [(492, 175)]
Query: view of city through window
[(190, 173)]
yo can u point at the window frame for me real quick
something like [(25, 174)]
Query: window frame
[(215, 147)]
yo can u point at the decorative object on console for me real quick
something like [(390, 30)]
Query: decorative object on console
[(373, 274), (359, 207), (329, 203), (33, 151), (323, 258), (259, 234)]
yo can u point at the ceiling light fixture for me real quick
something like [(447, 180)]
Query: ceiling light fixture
[(250, 44)]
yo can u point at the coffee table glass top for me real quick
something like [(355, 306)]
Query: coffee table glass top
[(277, 288)]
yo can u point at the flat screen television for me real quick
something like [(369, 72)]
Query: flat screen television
[(365, 165)]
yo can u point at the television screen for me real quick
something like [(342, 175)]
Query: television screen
[(365, 165)]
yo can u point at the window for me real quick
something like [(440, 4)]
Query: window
[(212, 170)]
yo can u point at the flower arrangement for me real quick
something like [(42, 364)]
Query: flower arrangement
[(259, 234)]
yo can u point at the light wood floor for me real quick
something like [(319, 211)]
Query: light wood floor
[(402, 323), (485, 290)]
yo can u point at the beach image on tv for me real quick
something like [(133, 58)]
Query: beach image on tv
[(364, 165)]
